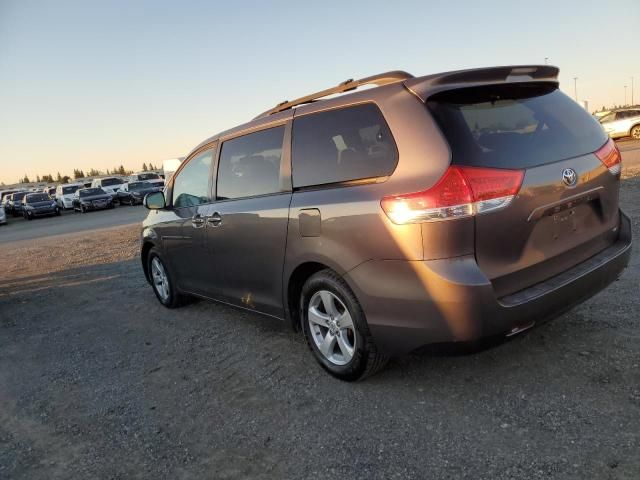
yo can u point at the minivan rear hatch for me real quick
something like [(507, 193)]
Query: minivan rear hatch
[(567, 207)]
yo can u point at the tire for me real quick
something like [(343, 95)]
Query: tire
[(350, 353), (169, 296), (635, 132), (82, 209)]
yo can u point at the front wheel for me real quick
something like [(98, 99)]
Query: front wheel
[(336, 329), (162, 282), (635, 132)]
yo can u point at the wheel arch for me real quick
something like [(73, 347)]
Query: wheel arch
[(296, 280), (147, 245)]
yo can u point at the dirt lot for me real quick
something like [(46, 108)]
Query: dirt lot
[(97, 380)]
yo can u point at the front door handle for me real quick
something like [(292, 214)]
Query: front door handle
[(197, 221), (215, 219)]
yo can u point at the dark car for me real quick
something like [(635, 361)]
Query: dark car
[(14, 204), (133, 193), (92, 199), (39, 205), (443, 208)]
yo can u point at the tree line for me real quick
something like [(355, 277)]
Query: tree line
[(78, 173)]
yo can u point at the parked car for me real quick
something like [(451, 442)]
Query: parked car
[(51, 191), (443, 208), (622, 123), (3, 215), (39, 205), (65, 194), (14, 204), (87, 199), (108, 184), (151, 177), (132, 193)]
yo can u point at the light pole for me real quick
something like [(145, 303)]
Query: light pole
[(632, 91), (575, 87), (625, 95), (546, 60)]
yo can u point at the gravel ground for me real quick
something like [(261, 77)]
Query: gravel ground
[(97, 380)]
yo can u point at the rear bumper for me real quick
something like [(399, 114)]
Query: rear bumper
[(411, 304)]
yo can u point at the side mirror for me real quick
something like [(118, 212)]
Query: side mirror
[(154, 201)]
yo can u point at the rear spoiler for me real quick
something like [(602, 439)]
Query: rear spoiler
[(424, 87)]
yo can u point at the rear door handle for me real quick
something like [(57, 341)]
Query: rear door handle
[(215, 219), (197, 221)]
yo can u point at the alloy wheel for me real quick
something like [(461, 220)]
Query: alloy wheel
[(160, 279), (331, 327)]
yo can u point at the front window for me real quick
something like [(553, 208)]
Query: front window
[(191, 186), (69, 190), (610, 117), (38, 197)]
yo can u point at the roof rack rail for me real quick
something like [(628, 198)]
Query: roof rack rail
[(346, 86)]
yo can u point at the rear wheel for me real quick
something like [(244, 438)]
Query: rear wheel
[(336, 330), (635, 132)]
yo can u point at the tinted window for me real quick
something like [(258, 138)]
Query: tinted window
[(514, 126), (38, 197), (191, 186), (139, 185), (106, 182), (87, 192), (250, 165), (18, 196), (148, 176), (340, 145), (69, 190)]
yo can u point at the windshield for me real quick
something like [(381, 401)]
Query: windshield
[(107, 182), (148, 176), (69, 190), (87, 192), (608, 118), (18, 196), (139, 185), (37, 197), (514, 126)]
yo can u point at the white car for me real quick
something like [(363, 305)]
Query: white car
[(622, 123), (64, 194), (110, 185)]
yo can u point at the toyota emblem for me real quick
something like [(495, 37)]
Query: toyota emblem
[(569, 177)]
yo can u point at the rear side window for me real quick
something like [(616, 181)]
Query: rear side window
[(250, 165), (349, 143), (514, 126)]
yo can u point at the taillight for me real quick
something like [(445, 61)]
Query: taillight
[(611, 157), (461, 192)]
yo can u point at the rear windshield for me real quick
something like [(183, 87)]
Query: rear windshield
[(19, 196), (107, 182), (138, 185), (514, 126), (148, 176), (85, 192), (37, 197)]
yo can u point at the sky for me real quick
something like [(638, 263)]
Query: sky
[(95, 84)]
